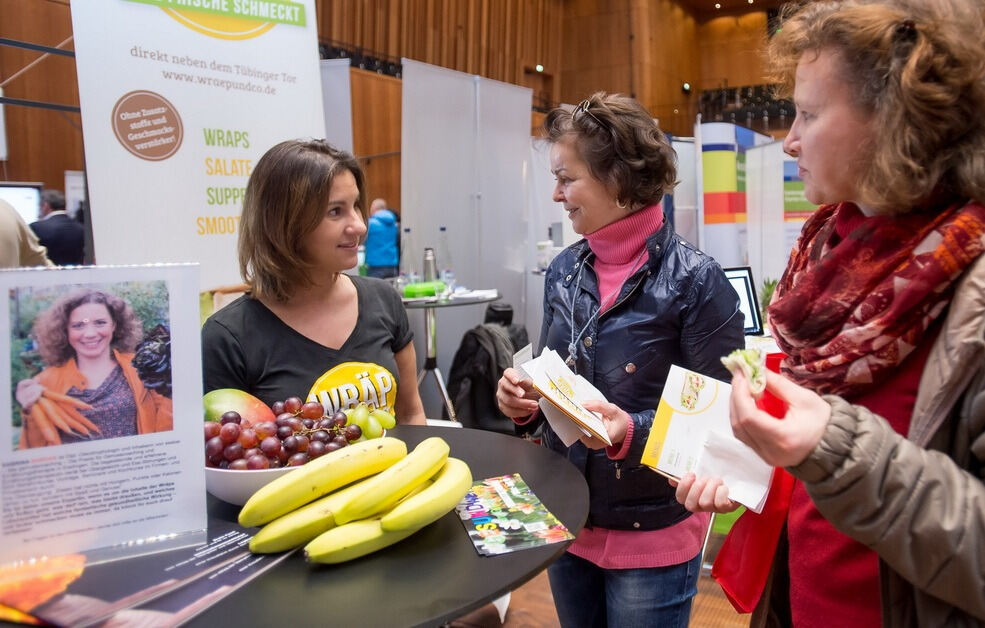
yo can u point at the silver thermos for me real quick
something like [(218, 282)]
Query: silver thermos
[(430, 265)]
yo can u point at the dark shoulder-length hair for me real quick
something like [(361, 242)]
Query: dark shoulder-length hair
[(285, 200), (51, 326), (917, 67), (621, 144)]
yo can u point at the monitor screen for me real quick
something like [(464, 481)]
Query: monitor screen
[(741, 280), (25, 197)]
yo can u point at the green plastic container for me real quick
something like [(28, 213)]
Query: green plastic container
[(424, 289)]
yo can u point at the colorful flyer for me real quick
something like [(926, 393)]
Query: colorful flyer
[(503, 515), (101, 452)]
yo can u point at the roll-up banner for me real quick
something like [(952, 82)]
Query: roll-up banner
[(179, 100)]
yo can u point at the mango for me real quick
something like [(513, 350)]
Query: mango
[(252, 410)]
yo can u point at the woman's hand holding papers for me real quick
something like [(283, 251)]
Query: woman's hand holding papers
[(515, 394), (785, 442), (703, 494), (616, 423)]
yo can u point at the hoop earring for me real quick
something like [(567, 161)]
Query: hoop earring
[(621, 205)]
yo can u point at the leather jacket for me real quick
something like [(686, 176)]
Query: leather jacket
[(678, 308)]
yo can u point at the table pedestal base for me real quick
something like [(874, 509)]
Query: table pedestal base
[(431, 366)]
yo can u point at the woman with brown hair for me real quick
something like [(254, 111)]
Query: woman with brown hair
[(305, 325), (880, 310), (622, 305), (86, 339)]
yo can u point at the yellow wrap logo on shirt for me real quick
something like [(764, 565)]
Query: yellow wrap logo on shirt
[(345, 385)]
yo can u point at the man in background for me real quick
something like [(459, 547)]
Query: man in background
[(18, 244), (382, 256), (59, 233)]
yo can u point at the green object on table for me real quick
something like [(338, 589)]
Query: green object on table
[(723, 522), (424, 289)]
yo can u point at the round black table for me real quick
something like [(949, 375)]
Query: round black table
[(429, 305), (427, 579)]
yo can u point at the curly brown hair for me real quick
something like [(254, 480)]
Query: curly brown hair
[(621, 144), (917, 68), (285, 200), (51, 326)]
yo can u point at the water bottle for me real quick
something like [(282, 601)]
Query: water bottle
[(445, 272), (408, 265)]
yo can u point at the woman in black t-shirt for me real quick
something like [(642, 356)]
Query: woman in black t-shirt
[(306, 329)]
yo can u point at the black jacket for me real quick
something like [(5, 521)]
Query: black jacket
[(678, 308), (485, 352), (64, 238)]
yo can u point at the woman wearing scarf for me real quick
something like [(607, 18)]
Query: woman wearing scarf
[(881, 310), (621, 306)]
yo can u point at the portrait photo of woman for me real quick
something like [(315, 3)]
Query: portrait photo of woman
[(101, 374)]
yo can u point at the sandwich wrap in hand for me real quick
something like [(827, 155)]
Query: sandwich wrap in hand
[(752, 364)]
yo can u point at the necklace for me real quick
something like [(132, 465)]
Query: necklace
[(573, 345)]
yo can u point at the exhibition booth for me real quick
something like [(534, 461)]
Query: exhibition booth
[(178, 105)]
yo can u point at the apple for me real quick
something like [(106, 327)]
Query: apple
[(252, 410)]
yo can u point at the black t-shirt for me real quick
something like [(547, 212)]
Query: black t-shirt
[(246, 346)]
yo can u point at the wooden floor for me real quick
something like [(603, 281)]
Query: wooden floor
[(531, 606)]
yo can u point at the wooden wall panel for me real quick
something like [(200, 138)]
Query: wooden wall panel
[(637, 47), (376, 112), (731, 48), (42, 144), (492, 38)]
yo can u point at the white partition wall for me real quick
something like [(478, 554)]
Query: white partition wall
[(686, 190), (464, 142), (768, 251), (337, 102)]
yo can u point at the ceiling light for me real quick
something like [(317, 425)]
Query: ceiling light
[(718, 6), (540, 68)]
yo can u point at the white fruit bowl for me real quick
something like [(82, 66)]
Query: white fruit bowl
[(235, 487)]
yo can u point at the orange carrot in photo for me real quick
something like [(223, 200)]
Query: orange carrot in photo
[(78, 416), (49, 433), (65, 399), (56, 415)]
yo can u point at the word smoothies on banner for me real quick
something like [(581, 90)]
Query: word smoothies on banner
[(100, 456)]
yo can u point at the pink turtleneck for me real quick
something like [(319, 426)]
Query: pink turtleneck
[(620, 248)]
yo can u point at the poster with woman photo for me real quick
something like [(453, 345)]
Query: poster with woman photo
[(103, 384), (90, 361)]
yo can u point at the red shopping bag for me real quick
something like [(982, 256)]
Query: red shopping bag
[(743, 564)]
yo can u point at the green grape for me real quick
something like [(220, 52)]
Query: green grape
[(359, 416), (384, 418), (373, 428)]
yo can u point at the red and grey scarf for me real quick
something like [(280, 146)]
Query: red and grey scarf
[(859, 292)]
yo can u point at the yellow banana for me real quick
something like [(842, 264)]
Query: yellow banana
[(449, 487), (319, 477), (300, 526), (396, 481), (351, 540)]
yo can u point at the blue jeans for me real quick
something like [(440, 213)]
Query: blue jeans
[(586, 595)]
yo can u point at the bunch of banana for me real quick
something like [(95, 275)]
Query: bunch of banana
[(357, 499)]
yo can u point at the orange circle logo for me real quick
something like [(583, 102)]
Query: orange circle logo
[(147, 125)]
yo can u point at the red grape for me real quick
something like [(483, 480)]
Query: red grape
[(223, 464), (290, 444), (353, 432), (319, 435), (265, 429), (332, 446), (277, 407), (340, 440), (229, 432), (309, 424), (284, 432), (303, 442), (252, 451), (211, 429), (312, 410), (270, 446), (339, 419), (238, 465), (297, 460), (233, 452), (248, 438), (292, 405), (316, 449), (325, 424), (283, 418), (257, 462), (214, 447), (230, 417)]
